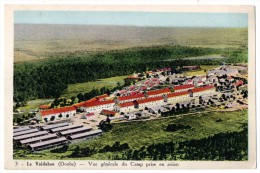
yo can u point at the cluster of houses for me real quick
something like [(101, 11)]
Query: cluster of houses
[(146, 93)]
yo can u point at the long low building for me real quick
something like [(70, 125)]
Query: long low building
[(25, 132), (86, 135), (141, 104), (38, 139), (49, 127), (203, 90), (48, 144), (124, 107), (177, 97), (21, 129), (158, 93), (60, 129), (31, 135), (130, 98), (56, 113), (75, 131), (98, 106)]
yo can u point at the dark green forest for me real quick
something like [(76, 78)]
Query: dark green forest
[(50, 78)]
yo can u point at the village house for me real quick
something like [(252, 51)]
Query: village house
[(98, 106), (157, 93), (129, 98), (181, 88), (141, 104), (56, 113)]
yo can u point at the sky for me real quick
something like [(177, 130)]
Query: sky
[(163, 19)]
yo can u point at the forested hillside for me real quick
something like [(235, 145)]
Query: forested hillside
[(50, 78)]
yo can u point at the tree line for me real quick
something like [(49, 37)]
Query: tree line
[(50, 78), (232, 146)]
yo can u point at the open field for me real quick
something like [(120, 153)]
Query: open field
[(44, 41), (144, 133), (200, 72), (74, 89)]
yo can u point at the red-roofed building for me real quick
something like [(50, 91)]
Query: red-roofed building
[(153, 101), (64, 112), (109, 113), (130, 98), (98, 106), (157, 93), (181, 88), (124, 107), (102, 97), (177, 97), (239, 83), (203, 90), (43, 107)]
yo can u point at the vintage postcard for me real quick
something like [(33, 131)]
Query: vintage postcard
[(130, 87)]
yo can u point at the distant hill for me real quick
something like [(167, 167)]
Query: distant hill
[(38, 41)]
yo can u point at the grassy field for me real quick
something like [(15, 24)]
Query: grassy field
[(74, 89), (143, 133), (200, 72)]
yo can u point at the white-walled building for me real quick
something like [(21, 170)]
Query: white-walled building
[(98, 106), (181, 88), (203, 90), (153, 101), (177, 97), (57, 113), (124, 107), (158, 93), (130, 98)]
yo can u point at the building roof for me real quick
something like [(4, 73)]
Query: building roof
[(102, 96), (150, 100), (180, 87), (98, 103), (21, 129), (239, 83), (108, 112), (49, 142), (77, 130), (31, 135), (131, 97), (202, 88), (25, 132), (57, 110), (160, 91), (176, 94), (65, 128), (26, 141), (48, 127), (79, 104), (126, 104), (44, 106), (86, 134)]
